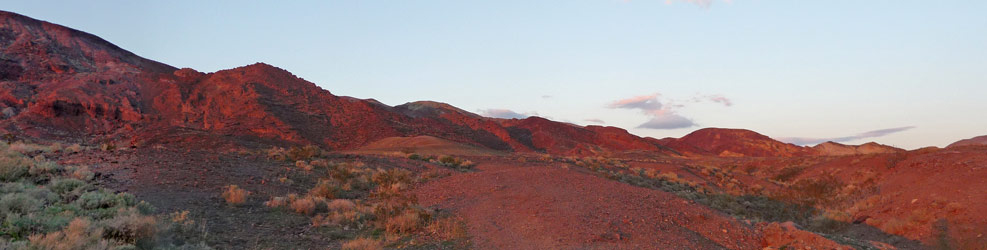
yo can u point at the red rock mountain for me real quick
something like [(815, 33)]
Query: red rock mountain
[(60, 83), (732, 142)]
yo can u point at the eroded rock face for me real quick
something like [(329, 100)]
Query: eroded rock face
[(63, 83)]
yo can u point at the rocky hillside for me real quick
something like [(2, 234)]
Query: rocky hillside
[(64, 84)]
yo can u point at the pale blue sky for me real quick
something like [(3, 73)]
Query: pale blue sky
[(816, 69)]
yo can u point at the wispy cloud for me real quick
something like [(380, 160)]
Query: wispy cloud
[(720, 99), (505, 113), (864, 135), (597, 121), (646, 103), (546, 97)]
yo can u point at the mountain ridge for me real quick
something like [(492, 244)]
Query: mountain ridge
[(90, 87)]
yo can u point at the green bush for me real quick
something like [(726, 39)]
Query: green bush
[(66, 186), (19, 203), (103, 199), (43, 167), (13, 168), (60, 209)]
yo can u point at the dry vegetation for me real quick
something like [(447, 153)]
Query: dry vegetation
[(44, 205), (235, 195), (797, 204), (445, 160), (369, 205)]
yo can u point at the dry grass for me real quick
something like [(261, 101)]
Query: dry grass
[(181, 217), (74, 148), (325, 189), (407, 222), (235, 195), (363, 244), (341, 205), (304, 205), (79, 234), (277, 202), (303, 165), (446, 229)]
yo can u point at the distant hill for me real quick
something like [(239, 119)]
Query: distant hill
[(979, 140), (833, 148), (732, 142)]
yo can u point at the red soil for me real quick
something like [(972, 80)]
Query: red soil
[(542, 207)]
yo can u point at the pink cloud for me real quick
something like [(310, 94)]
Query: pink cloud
[(720, 99), (644, 102)]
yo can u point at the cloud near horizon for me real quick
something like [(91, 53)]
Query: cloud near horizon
[(504, 113), (663, 115), (864, 135), (594, 120)]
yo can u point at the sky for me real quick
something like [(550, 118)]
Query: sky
[(904, 73)]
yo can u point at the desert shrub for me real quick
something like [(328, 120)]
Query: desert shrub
[(81, 173), (303, 165), (13, 167), (304, 205), (130, 227), (325, 189), (343, 212), (56, 147), (455, 162), (43, 167), (19, 203), (79, 234), (811, 192), (235, 195), (391, 177), (788, 173), (446, 229), (321, 163), (303, 153), (341, 205), (66, 186), (102, 199), (276, 202), (74, 148), (363, 244), (25, 148), (406, 222), (277, 153), (108, 146), (46, 206)]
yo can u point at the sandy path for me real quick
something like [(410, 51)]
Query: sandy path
[(543, 207)]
